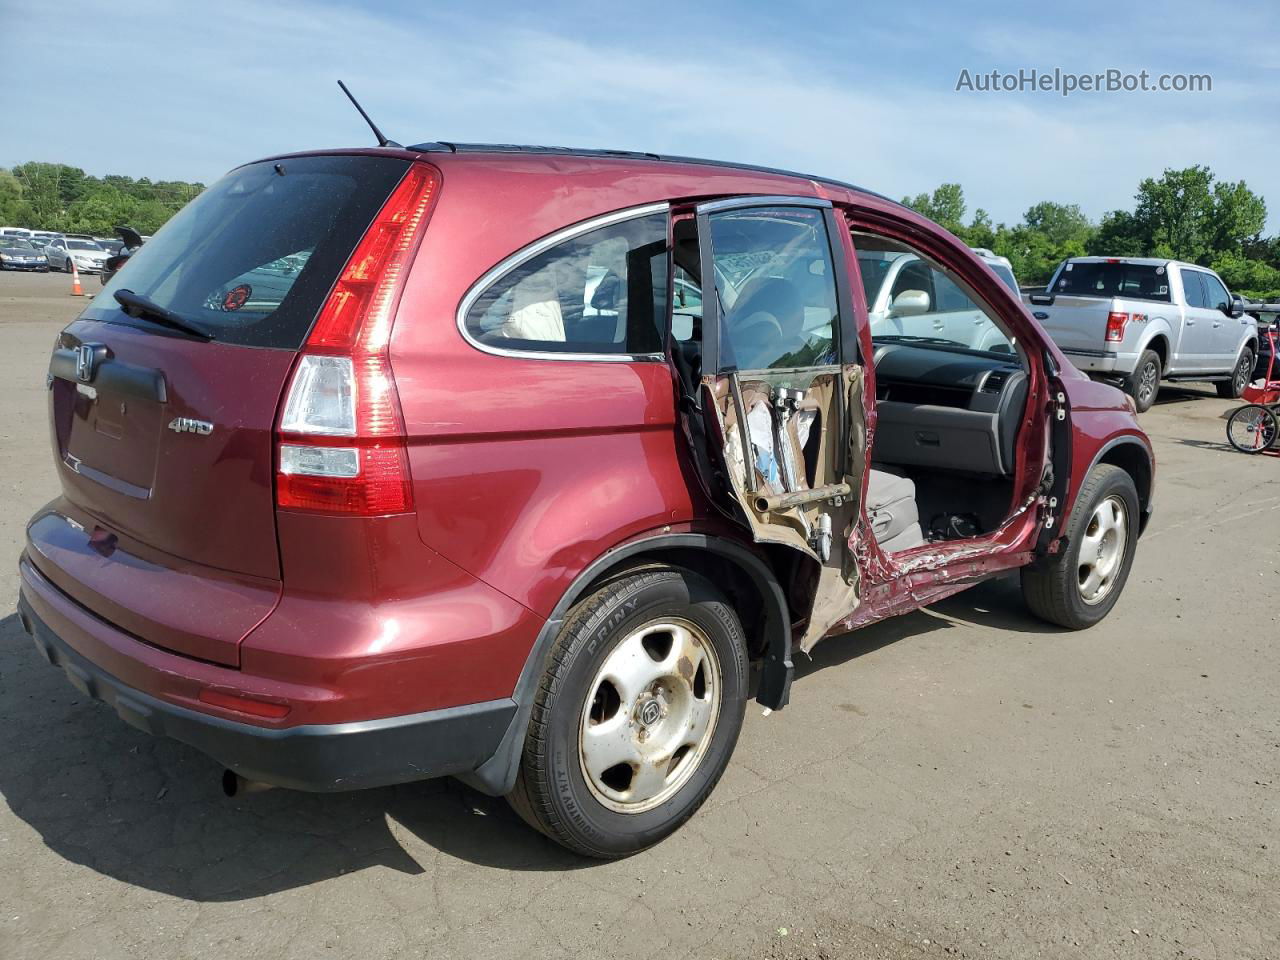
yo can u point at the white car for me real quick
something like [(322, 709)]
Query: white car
[(908, 298), (87, 255)]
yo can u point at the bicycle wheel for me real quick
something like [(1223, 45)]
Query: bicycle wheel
[(1253, 429)]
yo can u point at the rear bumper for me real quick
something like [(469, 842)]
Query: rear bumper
[(1101, 361), (315, 757)]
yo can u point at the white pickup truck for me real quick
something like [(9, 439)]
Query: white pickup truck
[(1143, 320)]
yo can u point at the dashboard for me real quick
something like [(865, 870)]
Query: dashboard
[(947, 408)]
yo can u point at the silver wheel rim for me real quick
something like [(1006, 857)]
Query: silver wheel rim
[(1243, 371), (1102, 549), (1147, 383), (649, 715)]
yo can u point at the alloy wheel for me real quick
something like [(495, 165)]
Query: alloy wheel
[(1147, 382), (1102, 549)]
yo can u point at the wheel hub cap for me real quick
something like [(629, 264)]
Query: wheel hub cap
[(649, 715), (1102, 549)]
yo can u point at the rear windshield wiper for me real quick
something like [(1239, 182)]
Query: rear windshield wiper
[(136, 305)]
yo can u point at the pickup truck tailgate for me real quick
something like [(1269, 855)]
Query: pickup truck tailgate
[(1076, 323)]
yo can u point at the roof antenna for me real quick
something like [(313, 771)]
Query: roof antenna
[(382, 140)]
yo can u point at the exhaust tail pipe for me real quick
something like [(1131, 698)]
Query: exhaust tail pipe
[(233, 785)]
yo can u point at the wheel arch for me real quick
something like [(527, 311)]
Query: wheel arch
[(1159, 342), (1132, 456), (733, 567)]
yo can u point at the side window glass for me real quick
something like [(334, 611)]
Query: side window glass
[(601, 292), (1215, 293), (928, 304), (1193, 288), (776, 284)]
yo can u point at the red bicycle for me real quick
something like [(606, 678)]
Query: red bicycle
[(1256, 427)]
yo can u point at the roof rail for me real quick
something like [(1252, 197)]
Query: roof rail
[(443, 146)]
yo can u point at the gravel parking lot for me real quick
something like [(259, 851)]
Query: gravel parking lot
[(962, 781)]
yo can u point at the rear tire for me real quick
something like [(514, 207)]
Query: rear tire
[(1144, 384), (1078, 586), (651, 669), (1240, 376)]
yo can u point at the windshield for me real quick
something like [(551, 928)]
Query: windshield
[(1135, 281), (252, 258), (15, 243), (82, 245)]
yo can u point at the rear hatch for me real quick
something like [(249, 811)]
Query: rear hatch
[(163, 408)]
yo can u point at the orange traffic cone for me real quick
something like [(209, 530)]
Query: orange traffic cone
[(76, 289)]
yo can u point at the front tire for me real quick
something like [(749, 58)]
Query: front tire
[(1233, 388), (1078, 586), (1144, 384), (636, 716)]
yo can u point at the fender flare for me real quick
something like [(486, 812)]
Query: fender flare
[(1158, 327), (1129, 440), (497, 775)]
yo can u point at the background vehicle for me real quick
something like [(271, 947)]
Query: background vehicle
[(906, 297), (557, 598), (1144, 320), (14, 232), (124, 248), (88, 256), (17, 253)]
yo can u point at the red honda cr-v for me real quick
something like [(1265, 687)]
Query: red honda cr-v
[(523, 465)]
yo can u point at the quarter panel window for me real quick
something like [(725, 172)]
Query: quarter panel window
[(600, 292)]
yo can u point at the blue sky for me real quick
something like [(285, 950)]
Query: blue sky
[(862, 92)]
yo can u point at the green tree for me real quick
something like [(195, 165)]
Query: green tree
[(944, 206)]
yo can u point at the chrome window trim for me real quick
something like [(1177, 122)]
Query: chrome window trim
[(501, 269), (740, 203)]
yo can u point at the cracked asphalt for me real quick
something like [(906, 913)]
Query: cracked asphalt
[(961, 781)]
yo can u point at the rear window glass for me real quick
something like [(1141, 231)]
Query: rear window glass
[(1134, 281), (252, 258)]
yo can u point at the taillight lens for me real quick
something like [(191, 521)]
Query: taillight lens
[(341, 437), (1115, 327)]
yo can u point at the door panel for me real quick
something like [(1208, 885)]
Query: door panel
[(782, 417), (1195, 347)]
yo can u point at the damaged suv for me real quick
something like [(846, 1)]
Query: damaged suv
[(533, 466)]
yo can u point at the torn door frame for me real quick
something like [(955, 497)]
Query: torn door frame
[(842, 462)]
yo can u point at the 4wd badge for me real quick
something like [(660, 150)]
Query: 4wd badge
[(188, 425)]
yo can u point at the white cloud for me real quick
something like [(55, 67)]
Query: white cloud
[(198, 94)]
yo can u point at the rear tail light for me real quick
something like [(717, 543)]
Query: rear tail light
[(1115, 327), (341, 440)]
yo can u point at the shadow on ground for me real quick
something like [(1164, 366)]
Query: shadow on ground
[(149, 811)]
